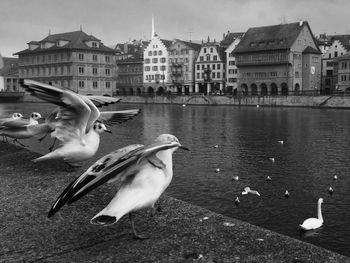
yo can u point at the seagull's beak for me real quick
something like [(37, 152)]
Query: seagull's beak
[(109, 131), (184, 148), (42, 118)]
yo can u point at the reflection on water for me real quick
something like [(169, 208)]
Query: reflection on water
[(315, 148)]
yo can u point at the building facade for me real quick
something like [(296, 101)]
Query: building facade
[(342, 69), (278, 60), (210, 69), (71, 60), (229, 43), (156, 70), (338, 46), (9, 74), (182, 56)]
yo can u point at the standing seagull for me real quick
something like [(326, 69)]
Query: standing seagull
[(77, 122), (144, 172), (22, 128), (14, 116)]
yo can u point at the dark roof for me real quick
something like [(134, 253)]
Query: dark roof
[(10, 66), (276, 37), (167, 43), (76, 40), (230, 37), (190, 44), (311, 50)]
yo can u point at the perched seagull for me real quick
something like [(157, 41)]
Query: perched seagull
[(77, 122), (217, 170), (235, 178), (335, 177), (268, 178), (15, 116), (313, 223), (281, 142), (272, 159), (22, 128), (247, 190), (144, 172)]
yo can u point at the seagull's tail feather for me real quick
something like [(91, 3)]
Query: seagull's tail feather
[(105, 220), (49, 156)]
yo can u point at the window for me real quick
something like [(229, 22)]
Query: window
[(147, 61), (213, 66), (201, 58), (162, 68), (108, 84), (211, 50), (274, 74), (163, 60), (149, 53), (218, 75), (198, 75), (107, 59), (81, 83), (219, 66), (81, 70), (213, 75), (160, 53), (232, 63), (94, 57), (94, 84), (108, 71), (297, 74), (155, 53), (147, 68), (94, 44), (205, 50), (154, 60), (198, 67), (208, 57), (335, 54), (80, 56), (329, 63), (155, 68), (94, 71)]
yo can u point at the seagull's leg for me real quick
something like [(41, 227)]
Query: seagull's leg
[(53, 145), (17, 141), (135, 235)]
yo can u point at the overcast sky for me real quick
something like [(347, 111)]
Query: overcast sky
[(117, 21)]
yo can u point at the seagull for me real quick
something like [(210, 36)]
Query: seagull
[(286, 194), (335, 177), (247, 190), (217, 170), (313, 223), (144, 172), (330, 190), (76, 123), (237, 201), (281, 142), (268, 178), (14, 116), (272, 159), (22, 128), (235, 178)]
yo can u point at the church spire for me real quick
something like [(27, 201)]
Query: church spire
[(152, 27)]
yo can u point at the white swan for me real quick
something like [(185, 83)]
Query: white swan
[(313, 223)]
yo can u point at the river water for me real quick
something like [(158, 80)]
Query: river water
[(316, 148)]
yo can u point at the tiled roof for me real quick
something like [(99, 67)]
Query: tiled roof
[(167, 43), (191, 44), (230, 37), (76, 41), (311, 50), (10, 66), (276, 37)]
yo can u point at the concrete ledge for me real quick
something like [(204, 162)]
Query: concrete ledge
[(181, 233)]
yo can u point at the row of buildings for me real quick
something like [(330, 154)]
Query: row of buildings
[(270, 60)]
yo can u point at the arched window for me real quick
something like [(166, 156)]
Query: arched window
[(274, 90), (263, 89), (284, 88), (244, 89), (254, 89)]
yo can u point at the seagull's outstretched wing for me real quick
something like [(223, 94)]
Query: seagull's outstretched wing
[(114, 117), (72, 116), (117, 165), (100, 101)]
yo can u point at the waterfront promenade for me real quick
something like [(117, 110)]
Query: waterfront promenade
[(180, 233)]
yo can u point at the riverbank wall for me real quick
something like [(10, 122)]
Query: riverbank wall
[(330, 101), (267, 101), (182, 232)]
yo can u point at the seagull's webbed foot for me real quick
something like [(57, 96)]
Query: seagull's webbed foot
[(135, 234)]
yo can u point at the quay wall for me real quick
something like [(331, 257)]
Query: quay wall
[(267, 101), (181, 232)]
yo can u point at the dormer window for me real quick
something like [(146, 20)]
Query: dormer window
[(94, 44)]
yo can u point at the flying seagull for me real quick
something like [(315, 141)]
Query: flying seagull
[(144, 172), (76, 123)]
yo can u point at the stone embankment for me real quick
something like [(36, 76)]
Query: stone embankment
[(268, 101), (180, 233)]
